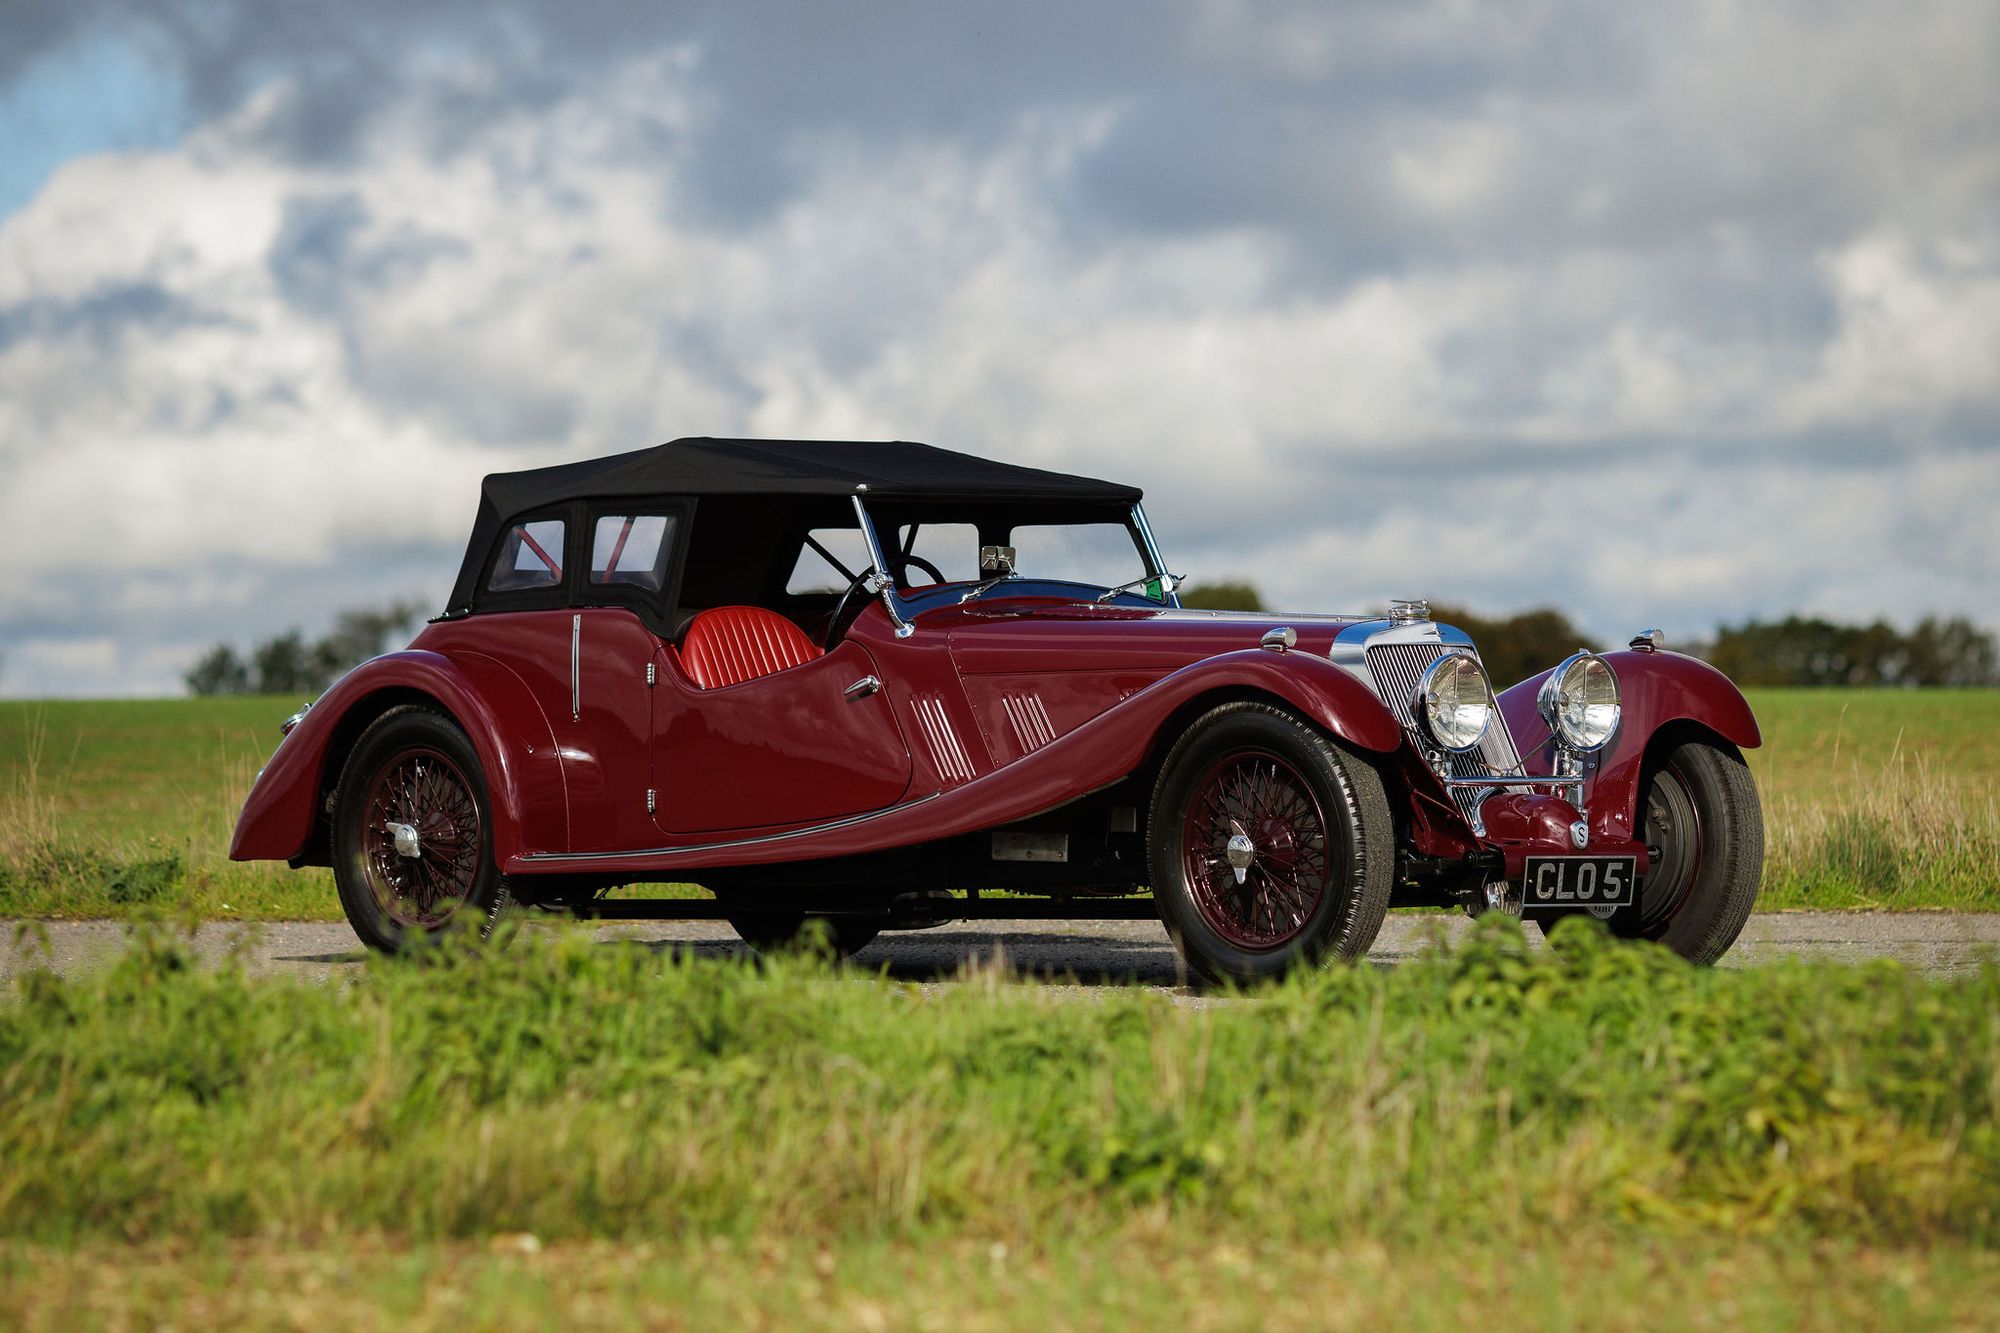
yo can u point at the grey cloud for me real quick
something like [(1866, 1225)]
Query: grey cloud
[(319, 261), (105, 314), (1633, 127), (37, 27), (162, 620), (309, 259)]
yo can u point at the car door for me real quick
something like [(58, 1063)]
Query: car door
[(808, 744), (626, 561)]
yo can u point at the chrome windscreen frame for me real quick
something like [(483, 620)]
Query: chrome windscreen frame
[(1156, 564), (880, 582)]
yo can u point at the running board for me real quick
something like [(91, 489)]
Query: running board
[(932, 912)]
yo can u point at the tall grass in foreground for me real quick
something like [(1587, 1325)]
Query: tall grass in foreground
[(577, 1090)]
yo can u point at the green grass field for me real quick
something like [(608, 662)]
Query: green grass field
[(568, 1131), (1874, 799)]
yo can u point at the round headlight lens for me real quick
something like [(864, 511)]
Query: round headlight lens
[(1457, 702), (1579, 701)]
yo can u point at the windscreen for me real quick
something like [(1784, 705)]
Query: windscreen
[(1103, 555)]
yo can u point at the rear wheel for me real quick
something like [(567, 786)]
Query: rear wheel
[(1271, 846), (413, 833), (1703, 827)]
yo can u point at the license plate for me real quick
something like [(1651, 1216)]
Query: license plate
[(1580, 881)]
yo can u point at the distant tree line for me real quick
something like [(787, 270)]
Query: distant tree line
[(1793, 651), (1222, 597), (1802, 651), (288, 664)]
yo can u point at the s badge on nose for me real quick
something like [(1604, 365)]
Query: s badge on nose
[(1579, 833)]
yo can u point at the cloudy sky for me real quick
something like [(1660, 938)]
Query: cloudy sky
[(1665, 314)]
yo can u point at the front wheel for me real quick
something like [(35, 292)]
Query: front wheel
[(1703, 827), (413, 833), (1271, 846)]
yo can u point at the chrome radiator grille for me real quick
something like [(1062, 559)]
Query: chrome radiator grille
[(1398, 668)]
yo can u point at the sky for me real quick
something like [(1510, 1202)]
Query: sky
[(1665, 315)]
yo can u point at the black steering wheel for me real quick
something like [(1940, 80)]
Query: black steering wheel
[(837, 626), (843, 617), (937, 575)]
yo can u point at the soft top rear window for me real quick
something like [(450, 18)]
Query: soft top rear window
[(531, 556), (631, 549)]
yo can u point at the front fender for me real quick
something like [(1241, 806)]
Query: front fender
[(1656, 690), (1309, 683), (516, 747)]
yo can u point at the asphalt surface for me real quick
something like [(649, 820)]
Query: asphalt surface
[(1084, 953)]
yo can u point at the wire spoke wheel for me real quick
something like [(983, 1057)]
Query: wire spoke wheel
[(421, 839), (1270, 846), (1258, 799)]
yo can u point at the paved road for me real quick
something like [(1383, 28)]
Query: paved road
[(1093, 952)]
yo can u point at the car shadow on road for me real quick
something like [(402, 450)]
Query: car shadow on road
[(953, 955), (1081, 959)]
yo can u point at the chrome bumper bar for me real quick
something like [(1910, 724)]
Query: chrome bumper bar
[(1574, 784)]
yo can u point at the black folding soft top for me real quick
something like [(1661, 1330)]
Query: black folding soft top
[(884, 469)]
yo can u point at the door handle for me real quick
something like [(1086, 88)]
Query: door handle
[(862, 688)]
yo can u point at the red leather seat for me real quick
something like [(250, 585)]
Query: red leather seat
[(732, 644)]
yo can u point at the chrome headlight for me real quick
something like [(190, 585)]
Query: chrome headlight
[(1456, 702), (1579, 701)]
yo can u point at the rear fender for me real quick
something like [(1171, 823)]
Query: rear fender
[(1659, 693), (508, 730)]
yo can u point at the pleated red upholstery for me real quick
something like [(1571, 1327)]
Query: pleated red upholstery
[(732, 644)]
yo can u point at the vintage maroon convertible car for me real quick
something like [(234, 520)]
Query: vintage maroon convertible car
[(871, 683)]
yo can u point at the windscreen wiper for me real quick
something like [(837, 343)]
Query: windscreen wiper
[(1156, 586), (986, 587)]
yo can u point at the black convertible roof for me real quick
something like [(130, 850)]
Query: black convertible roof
[(704, 466), (877, 469)]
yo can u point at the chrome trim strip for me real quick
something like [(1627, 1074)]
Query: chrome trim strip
[(1517, 780), (1570, 787), (543, 858), (576, 667), (1030, 720)]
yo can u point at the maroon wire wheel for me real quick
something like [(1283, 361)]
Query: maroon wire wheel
[(1254, 812), (1270, 845), (421, 839)]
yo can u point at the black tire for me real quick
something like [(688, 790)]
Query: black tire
[(415, 766), (1704, 829), (772, 932), (1315, 890)]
